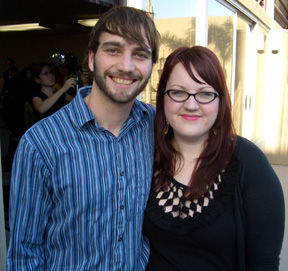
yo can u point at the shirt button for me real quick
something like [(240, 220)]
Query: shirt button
[(119, 239), (121, 173), (122, 207)]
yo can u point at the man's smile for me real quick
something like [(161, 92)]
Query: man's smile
[(122, 81)]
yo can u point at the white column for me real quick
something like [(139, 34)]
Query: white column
[(135, 3), (202, 22)]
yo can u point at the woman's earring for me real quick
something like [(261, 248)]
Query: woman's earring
[(167, 128), (214, 131)]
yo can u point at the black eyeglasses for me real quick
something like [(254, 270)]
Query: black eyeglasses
[(181, 96)]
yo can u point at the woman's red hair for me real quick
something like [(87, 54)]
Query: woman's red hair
[(218, 148)]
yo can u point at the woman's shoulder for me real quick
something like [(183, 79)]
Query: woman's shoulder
[(246, 150), (40, 94), (253, 163)]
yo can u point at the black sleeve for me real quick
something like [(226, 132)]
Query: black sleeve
[(264, 211)]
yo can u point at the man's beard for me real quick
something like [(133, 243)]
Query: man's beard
[(100, 82)]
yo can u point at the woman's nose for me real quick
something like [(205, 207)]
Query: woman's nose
[(191, 103)]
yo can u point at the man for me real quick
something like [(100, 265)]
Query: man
[(81, 177)]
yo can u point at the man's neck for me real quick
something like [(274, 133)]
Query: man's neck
[(108, 114)]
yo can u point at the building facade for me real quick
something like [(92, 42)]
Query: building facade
[(250, 38)]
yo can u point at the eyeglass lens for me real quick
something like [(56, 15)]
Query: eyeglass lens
[(182, 96)]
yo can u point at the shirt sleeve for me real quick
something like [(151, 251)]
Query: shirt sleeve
[(263, 204), (28, 210)]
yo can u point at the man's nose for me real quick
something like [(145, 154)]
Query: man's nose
[(126, 63)]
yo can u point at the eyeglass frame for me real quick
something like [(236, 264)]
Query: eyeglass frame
[(216, 95)]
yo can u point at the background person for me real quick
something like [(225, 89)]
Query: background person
[(28, 85), (44, 100), (13, 104), (81, 177), (216, 203)]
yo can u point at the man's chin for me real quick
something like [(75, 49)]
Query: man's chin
[(122, 99)]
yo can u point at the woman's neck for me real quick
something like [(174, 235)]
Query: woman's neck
[(190, 151)]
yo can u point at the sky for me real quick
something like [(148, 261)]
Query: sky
[(183, 8)]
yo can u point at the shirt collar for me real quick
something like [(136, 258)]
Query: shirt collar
[(81, 114)]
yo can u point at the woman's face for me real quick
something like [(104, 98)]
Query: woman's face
[(190, 120), (47, 77)]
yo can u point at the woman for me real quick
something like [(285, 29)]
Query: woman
[(45, 101), (215, 203)]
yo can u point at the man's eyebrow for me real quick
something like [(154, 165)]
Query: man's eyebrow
[(143, 49), (121, 45), (112, 43)]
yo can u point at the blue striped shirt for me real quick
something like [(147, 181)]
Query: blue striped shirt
[(78, 193)]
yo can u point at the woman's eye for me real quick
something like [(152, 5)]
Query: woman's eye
[(206, 94), (178, 93)]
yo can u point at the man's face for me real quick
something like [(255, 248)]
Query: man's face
[(120, 69)]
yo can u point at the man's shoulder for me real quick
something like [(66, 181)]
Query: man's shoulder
[(51, 125), (150, 109)]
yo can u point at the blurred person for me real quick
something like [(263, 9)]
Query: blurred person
[(83, 77), (13, 105), (44, 100), (215, 202), (28, 86), (58, 75), (9, 62), (81, 177)]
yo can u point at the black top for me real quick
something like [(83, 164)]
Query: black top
[(222, 230), (59, 104)]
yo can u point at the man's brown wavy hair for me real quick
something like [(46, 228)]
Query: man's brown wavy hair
[(218, 148), (128, 23)]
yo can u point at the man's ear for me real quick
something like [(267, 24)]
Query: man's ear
[(91, 61)]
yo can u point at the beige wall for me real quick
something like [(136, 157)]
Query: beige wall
[(273, 98)]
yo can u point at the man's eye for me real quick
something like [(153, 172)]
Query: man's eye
[(112, 51), (142, 55)]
